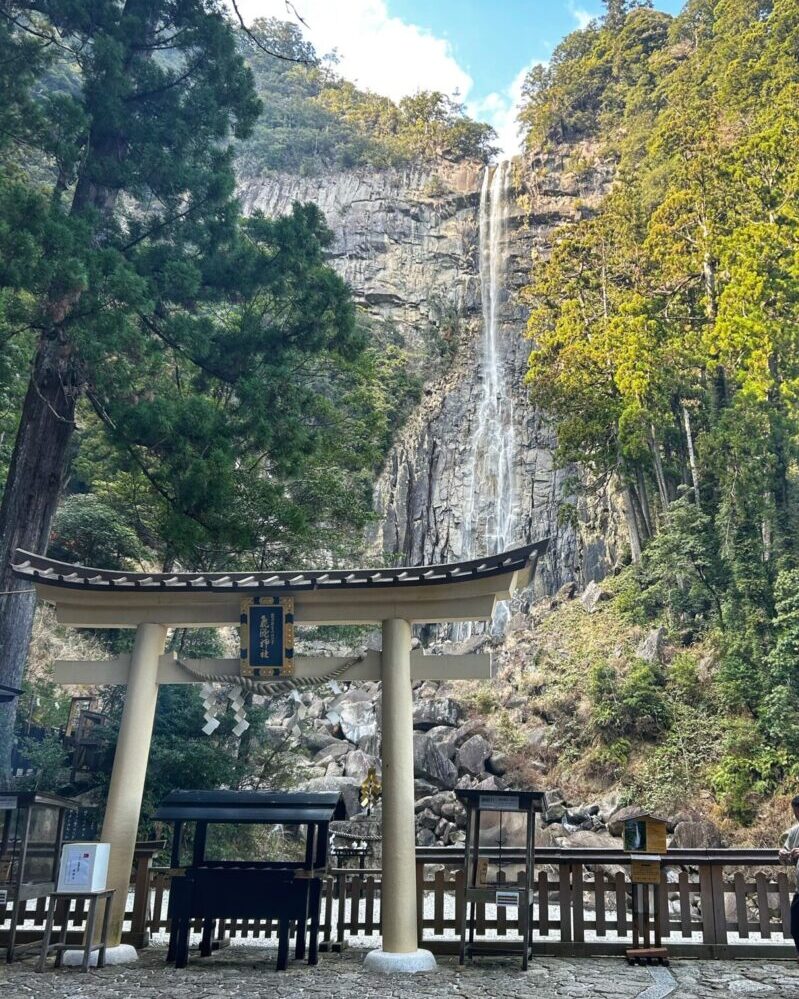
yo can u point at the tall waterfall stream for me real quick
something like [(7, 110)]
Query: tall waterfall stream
[(488, 517)]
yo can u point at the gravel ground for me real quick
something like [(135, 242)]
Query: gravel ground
[(239, 972)]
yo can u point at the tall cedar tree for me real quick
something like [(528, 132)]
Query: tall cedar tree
[(127, 254)]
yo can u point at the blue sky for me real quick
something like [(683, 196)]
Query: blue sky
[(478, 49)]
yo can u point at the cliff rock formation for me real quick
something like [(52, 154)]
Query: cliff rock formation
[(440, 251)]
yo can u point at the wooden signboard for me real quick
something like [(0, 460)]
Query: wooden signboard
[(645, 870), (267, 637)]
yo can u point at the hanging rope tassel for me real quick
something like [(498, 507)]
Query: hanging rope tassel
[(239, 686)]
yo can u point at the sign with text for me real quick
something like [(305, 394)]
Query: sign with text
[(645, 870), (498, 803), (267, 637)]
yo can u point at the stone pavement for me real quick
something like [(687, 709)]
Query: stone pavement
[(240, 972)]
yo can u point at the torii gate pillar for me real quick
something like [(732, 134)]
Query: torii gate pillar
[(130, 768), (399, 951)]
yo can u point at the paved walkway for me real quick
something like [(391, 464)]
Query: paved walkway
[(247, 973)]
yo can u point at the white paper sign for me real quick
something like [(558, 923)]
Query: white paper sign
[(77, 868), (507, 898)]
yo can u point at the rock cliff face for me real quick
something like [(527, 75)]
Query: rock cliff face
[(440, 253)]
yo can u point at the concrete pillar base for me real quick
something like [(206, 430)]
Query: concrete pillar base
[(121, 954), (385, 963)]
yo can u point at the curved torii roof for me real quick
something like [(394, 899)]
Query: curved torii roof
[(457, 591)]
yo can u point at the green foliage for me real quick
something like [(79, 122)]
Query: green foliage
[(182, 756), (749, 770), (89, 531), (313, 120), (49, 771), (675, 770), (665, 343), (631, 705)]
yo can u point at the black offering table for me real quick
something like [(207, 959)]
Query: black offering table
[(499, 825), (31, 836), (285, 890)]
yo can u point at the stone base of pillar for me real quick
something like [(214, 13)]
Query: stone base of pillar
[(121, 954), (385, 963)]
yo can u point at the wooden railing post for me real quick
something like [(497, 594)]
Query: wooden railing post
[(419, 902), (565, 902), (139, 934), (706, 903), (717, 881)]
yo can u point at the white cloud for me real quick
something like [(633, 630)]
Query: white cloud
[(500, 110), (581, 15), (377, 51)]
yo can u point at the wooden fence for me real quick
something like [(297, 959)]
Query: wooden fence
[(714, 903)]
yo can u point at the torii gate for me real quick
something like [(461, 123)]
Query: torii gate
[(396, 598)]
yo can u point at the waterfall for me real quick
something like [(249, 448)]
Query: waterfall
[(488, 517)]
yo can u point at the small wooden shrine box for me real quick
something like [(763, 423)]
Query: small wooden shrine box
[(499, 862), (645, 841)]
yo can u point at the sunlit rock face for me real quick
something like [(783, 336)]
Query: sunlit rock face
[(437, 254)]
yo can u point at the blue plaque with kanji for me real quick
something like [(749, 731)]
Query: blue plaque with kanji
[(267, 637)]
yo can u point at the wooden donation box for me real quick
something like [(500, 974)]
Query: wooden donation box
[(645, 841), (31, 835), (499, 862), (281, 880)]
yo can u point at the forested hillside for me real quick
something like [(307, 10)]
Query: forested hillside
[(665, 336)]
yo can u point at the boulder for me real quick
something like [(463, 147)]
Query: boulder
[(455, 812), (426, 820), (445, 830), (651, 648), (539, 736), (357, 764), (474, 727), (592, 596), (435, 712), (444, 737), (430, 764), (438, 801), (319, 739), (473, 754), (425, 837), (554, 805), (684, 815), (347, 787), (545, 836), (497, 764), (564, 594), (423, 789), (332, 751), (358, 720), (619, 816), (490, 784), (518, 622), (588, 840), (699, 835)]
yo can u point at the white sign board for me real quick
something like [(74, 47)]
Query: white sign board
[(84, 867)]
